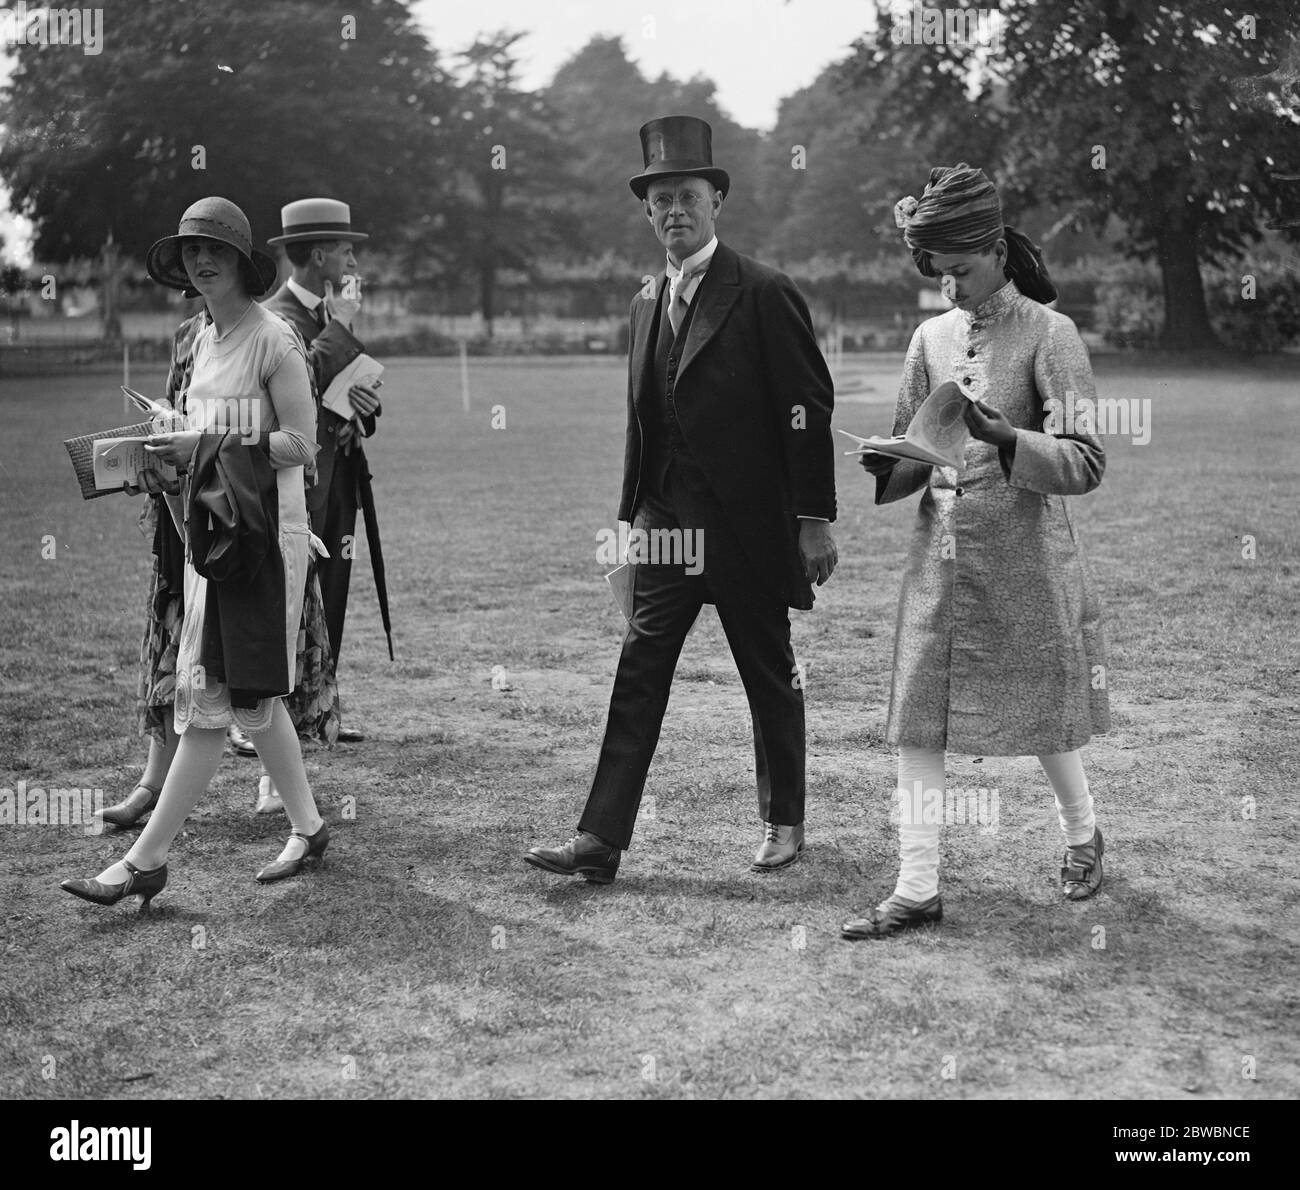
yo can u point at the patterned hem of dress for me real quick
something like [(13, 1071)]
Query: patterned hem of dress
[(249, 720)]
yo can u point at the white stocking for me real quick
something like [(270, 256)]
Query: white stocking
[(920, 788), (196, 760), (1073, 801), (281, 755)]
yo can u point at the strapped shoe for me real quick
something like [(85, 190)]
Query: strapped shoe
[(1081, 869), (126, 813), (138, 883), (893, 916), (780, 847), (282, 869), (583, 855)]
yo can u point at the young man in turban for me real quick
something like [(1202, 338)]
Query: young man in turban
[(998, 649)]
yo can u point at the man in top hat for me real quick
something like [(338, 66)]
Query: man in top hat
[(729, 442), (318, 239)]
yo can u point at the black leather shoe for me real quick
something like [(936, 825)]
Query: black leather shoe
[(142, 799), (583, 855), (892, 917), (283, 869), (350, 735), (781, 846), (1081, 869), (145, 885)]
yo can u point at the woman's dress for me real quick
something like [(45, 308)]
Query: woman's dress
[(229, 389)]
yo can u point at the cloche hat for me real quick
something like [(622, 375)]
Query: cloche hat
[(212, 218)]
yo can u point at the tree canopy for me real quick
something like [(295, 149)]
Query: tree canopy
[(1172, 126), (260, 101), (1115, 108)]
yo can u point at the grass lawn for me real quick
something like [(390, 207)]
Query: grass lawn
[(425, 959)]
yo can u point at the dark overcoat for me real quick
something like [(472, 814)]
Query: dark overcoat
[(329, 351), (753, 401)]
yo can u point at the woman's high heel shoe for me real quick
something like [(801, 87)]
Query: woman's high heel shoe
[(283, 869), (145, 885), (128, 813)]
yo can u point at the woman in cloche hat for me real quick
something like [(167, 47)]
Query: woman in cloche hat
[(249, 387)]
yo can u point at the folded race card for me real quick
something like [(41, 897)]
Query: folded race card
[(363, 370), (620, 585), (937, 433)]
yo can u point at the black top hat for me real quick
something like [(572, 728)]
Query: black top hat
[(677, 146), (212, 218)]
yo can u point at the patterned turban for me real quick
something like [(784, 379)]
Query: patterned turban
[(959, 214)]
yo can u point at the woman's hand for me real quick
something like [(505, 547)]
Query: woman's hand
[(875, 463), (167, 423), (988, 425), (176, 448), (154, 484)]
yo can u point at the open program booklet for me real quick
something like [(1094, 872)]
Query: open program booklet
[(121, 461), (937, 434)]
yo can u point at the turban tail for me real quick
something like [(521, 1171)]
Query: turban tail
[(959, 214)]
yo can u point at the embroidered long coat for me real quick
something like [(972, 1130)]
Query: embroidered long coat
[(999, 647)]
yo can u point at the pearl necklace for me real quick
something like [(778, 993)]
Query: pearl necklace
[(221, 338)]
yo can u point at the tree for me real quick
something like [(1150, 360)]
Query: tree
[(1113, 107), (509, 170), (601, 99), (829, 184), (260, 101)]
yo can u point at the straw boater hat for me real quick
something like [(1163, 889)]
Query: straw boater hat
[(676, 146), (316, 219), (213, 219)]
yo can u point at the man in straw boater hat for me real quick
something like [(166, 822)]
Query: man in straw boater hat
[(318, 239), (729, 449)]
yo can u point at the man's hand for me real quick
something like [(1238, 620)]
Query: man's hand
[(817, 549), (988, 425), (344, 309), (363, 399)]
